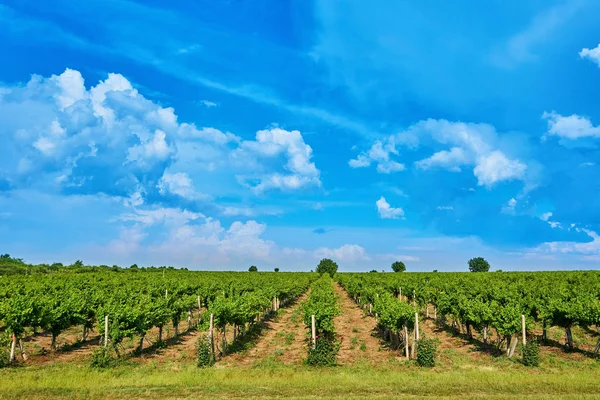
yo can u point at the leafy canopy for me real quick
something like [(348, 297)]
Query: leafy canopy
[(478, 264), (398, 266), (327, 266), (253, 268)]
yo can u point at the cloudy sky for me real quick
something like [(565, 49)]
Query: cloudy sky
[(219, 134)]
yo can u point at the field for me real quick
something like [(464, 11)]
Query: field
[(364, 315)]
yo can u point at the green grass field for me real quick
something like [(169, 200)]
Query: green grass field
[(503, 379)]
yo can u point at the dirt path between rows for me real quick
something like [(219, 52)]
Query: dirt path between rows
[(357, 333), (283, 339)]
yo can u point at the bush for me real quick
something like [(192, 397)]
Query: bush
[(325, 352), (203, 352), (531, 353), (4, 353), (4, 358), (426, 351), (103, 358)]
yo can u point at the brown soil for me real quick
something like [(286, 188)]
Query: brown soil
[(282, 339), (363, 345)]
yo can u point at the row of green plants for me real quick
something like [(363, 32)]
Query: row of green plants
[(137, 303), (485, 303), (323, 305)]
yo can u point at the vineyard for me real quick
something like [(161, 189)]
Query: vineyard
[(107, 320)]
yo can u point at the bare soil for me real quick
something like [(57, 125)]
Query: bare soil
[(282, 339), (358, 334)]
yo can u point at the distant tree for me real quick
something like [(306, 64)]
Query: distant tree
[(253, 268), (133, 266), (373, 270), (478, 264), (327, 266), (435, 270), (398, 266), (276, 269), (78, 264)]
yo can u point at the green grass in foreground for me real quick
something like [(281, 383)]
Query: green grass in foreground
[(181, 381)]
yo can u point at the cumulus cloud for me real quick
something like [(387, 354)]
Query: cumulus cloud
[(495, 167), (589, 248), (348, 253), (193, 239), (272, 143), (592, 54), (379, 154), (111, 139), (545, 216), (571, 127), (451, 160), (475, 145), (388, 212)]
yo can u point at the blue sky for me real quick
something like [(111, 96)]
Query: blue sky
[(219, 134)]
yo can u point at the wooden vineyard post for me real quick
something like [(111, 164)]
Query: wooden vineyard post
[(427, 311), (189, 320), (485, 331), (523, 330), (105, 330), (313, 335), (13, 345), (166, 293), (199, 307), (435, 313), (22, 350), (406, 343), (417, 326), (414, 299), (211, 337), (274, 303), (416, 335)]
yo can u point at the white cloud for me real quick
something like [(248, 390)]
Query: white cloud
[(208, 103), (570, 127), (348, 253), (153, 149), (379, 153), (271, 143), (451, 160), (510, 206), (582, 248), (446, 208), (168, 216), (495, 167), (179, 183), (111, 139), (386, 211), (71, 87), (545, 216), (592, 54), (469, 144)]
